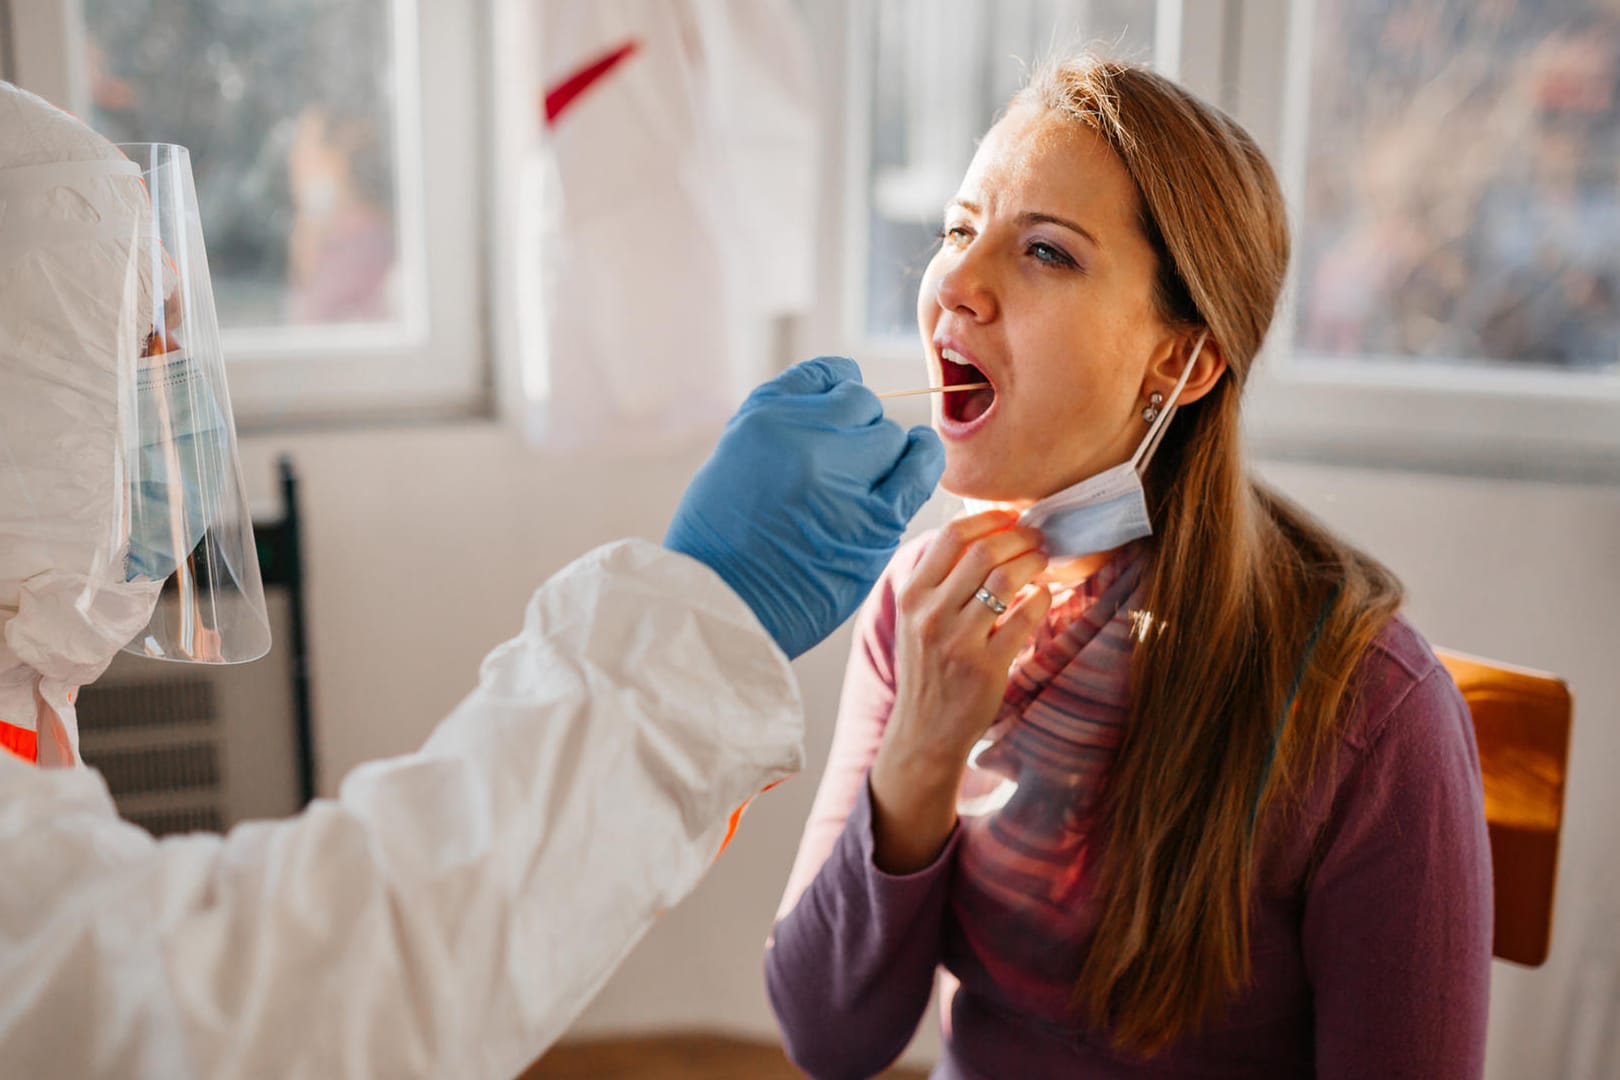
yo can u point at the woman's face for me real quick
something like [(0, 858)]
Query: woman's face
[(1042, 286)]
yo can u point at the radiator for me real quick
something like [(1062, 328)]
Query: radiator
[(187, 748)]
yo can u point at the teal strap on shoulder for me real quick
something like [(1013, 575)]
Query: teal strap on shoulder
[(1293, 693)]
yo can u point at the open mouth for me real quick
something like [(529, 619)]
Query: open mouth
[(965, 406)]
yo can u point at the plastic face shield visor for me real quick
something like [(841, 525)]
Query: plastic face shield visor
[(129, 377)]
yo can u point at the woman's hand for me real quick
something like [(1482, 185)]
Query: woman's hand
[(952, 653)]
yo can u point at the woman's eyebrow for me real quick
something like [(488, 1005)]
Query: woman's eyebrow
[(1030, 217), (1036, 217)]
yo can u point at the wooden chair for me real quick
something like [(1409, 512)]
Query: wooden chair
[(1521, 722)]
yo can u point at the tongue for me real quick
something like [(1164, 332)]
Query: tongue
[(974, 403)]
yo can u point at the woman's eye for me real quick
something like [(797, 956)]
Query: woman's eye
[(955, 235), (1053, 256)]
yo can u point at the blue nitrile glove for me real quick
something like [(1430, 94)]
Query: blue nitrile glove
[(805, 498)]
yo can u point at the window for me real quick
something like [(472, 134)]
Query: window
[(289, 111), (1461, 184), (1450, 165), (308, 123)]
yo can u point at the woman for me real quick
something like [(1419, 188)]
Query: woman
[(1224, 817)]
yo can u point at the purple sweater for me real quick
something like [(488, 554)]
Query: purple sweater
[(1375, 965)]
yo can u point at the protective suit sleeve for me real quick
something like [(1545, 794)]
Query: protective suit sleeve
[(452, 911)]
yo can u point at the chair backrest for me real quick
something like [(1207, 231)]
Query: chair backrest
[(1521, 722)]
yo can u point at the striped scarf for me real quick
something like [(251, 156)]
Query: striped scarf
[(1022, 893)]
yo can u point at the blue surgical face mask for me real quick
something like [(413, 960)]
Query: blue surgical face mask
[(1104, 511), (181, 440)]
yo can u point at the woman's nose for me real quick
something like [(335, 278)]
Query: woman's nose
[(965, 288)]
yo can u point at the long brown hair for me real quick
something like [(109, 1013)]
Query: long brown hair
[(1240, 582)]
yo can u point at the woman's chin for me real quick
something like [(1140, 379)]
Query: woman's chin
[(965, 481)]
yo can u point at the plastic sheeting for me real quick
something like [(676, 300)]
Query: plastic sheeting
[(662, 211)]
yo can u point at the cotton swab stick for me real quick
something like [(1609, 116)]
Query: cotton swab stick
[(935, 390)]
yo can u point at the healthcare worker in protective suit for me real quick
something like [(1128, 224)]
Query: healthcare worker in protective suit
[(451, 911)]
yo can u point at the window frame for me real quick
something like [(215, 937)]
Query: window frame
[(1516, 423), (434, 362)]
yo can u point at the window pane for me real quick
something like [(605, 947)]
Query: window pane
[(288, 108), (942, 71), (1462, 183)]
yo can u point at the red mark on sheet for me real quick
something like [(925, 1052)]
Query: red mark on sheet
[(565, 93)]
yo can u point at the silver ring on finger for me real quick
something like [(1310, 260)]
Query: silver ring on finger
[(989, 600)]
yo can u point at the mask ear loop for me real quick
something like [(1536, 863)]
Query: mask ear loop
[(1150, 441)]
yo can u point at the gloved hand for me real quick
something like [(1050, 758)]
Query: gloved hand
[(805, 499)]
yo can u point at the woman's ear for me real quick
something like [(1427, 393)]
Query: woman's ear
[(1165, 370)]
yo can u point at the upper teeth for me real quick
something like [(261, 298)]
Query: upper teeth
[(954, 357)]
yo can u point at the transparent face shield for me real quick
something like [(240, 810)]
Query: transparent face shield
[(188, 522), (122, 521)]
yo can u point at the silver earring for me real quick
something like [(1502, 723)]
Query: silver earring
[(1151, 412)]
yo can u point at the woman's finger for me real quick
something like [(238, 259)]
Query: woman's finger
[(1004, 583), (981, 558), (947, 546), (1014, 629)]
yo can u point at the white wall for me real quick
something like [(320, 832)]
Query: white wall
[(424, 544)]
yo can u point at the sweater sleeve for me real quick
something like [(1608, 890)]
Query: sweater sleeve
[(1397, 925), (850, 965)]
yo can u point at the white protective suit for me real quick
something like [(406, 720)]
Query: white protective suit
[(451, 911)]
